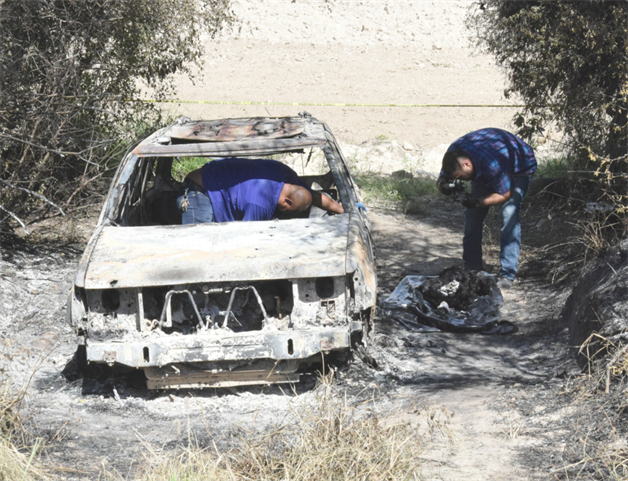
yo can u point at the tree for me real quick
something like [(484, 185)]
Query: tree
[(71, 76), (568, 61)]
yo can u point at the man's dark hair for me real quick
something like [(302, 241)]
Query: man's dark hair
[(451, 162)]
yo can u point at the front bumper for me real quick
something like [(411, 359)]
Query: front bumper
[(219, 346)]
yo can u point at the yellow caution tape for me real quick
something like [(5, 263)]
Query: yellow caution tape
[(319, 104)]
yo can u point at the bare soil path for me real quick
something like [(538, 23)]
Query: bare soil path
[(478, 379)]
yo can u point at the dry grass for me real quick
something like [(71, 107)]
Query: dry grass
[(18, 456), (513, 427), (332, 438), (600, 433)]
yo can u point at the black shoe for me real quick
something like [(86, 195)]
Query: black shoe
[(504, 283)]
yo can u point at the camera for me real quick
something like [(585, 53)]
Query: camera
[(453, 187)]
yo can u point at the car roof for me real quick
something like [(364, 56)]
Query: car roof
[(230, 137)]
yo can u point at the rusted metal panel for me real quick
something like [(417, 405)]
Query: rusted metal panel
[(218, 380), (360, 256), (249, 147), (221, 374), (79, 278), (225, 130), (365, 277), (236, 251), (219, 346)]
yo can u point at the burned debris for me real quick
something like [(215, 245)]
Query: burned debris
[(454, 301), (457, 287)]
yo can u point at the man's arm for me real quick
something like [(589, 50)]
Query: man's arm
[(196, 176), (494, 199), (326, 203), (501, 183)]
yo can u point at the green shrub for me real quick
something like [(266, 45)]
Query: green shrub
[(73, 73), (184, 165), (554, 167), (567, 60), (405, 191)]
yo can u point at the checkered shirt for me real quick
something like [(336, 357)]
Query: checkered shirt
[(497, 156)]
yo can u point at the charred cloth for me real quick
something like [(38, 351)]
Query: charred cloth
[(456, 301), (457, 287)]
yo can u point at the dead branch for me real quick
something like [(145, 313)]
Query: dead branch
[(39, 196), (610, 365), (16, 218), (48, 149)]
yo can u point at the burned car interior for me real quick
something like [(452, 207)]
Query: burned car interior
[(224, 304), (152, 192)]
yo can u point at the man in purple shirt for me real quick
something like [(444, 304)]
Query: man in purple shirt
[(500, 166), (245, 189)]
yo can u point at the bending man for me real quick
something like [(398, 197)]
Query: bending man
[(500, 166), (233, 189)]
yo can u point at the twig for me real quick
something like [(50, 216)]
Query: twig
[(16, 218), (616, 357), (39, 196), (54, 151), (611, 268), (80, 187), (30, 459), (565, 468)]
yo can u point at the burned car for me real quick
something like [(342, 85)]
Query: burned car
[(224, 304)]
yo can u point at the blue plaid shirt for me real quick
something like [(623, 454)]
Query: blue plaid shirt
[(497, 156)]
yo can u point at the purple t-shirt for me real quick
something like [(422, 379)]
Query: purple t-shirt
[(496, 156), (246, 189)]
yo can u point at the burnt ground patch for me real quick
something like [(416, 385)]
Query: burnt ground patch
[(517, 380)]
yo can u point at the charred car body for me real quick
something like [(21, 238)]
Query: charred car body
[(223, 304)]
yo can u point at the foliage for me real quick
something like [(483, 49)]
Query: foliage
[(553, 167), (393, 189), (567, 60), (71, 76), (596, 444), (184, 165)]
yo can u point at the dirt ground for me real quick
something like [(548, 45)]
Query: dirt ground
[(314, 53), (476, 382), (495, 392)]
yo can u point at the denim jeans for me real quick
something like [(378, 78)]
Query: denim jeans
[(199, 209), (510, 241)]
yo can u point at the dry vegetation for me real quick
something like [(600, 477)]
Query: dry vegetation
[(564, 236), (19, 454), (336, 437), (598, 446)]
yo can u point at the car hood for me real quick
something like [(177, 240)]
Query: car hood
[(121, 257)]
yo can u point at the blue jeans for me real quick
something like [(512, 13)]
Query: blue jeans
[(199, 209), (510, 242)]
